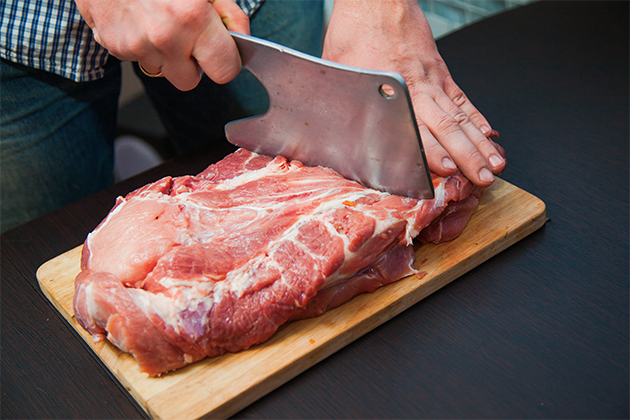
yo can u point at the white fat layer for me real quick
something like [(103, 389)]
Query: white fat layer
[(272, 168), (191, 293), (93, 311), (91, 306), (166, 308), (95, 232), (240, 279)]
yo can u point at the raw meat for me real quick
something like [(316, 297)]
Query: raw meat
[(196, 266)]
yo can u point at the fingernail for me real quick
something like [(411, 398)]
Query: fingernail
[(448, 163), (485, 130), (495, 161), (485, 175)]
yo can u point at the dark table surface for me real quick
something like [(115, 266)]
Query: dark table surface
[(539, 331)]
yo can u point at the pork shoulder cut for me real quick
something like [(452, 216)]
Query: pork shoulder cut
[(195, 266)]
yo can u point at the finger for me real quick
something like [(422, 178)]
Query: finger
[(488, 148), (84, 10), (177, 67), (460, 99), (97, 37), (448, 132), (481, 142), (216, 51), (184, 74), (438, 159), (232, 16), (144, 69)]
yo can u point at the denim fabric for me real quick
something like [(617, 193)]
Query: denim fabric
[(197, 118), (56, 139), (56, 135)]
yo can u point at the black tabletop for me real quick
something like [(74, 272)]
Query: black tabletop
[(539, 331)]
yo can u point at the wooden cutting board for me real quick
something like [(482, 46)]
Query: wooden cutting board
[(222, 386)]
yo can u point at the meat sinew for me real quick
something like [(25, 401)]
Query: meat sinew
[(196, 266)]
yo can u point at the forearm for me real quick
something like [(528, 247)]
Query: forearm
[(382, 23), (386, 35)]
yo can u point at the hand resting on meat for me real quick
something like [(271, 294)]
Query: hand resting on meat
[(394, 35)]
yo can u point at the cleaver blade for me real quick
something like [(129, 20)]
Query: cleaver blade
[(358, 122)]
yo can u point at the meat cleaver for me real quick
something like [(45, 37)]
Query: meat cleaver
[(358, 122)]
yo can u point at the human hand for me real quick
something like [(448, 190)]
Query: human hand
[(178, 39), (394, 35)]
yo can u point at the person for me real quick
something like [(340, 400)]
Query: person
[(60, 78)]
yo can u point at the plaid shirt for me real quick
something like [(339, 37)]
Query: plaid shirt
[(51, 35)]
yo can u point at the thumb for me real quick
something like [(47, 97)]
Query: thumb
[(233, 17)]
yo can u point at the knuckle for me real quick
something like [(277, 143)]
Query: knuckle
[(459, 98), (239, 15), (241, 19), (474, 155), (434, 148), (137, 47), (461, 118), (225, 75), (189, 16), (160, 39), (447, 124)]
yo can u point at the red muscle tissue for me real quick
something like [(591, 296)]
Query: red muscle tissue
[(192, 267)]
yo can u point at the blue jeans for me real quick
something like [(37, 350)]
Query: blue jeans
[(56, 136), (56, 139)]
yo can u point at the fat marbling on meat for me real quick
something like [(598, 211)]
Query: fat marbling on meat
[(195, 266)]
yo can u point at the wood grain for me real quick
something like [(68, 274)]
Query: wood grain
[(221, 386)]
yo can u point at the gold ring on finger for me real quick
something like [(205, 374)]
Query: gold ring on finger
[(158, 74)]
